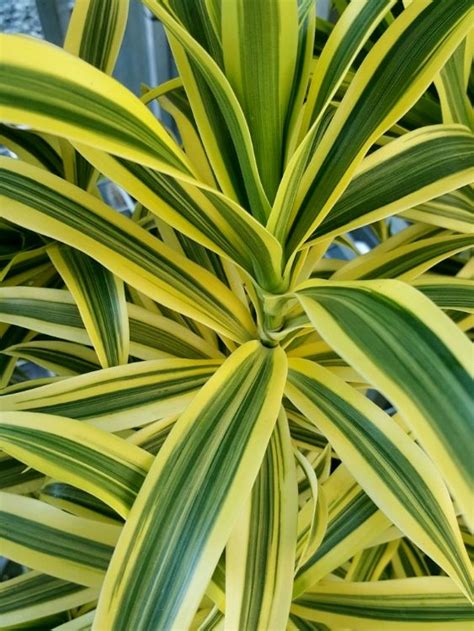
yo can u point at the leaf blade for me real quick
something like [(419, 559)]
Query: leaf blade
[(92, 460), (376, 351), (175, 603), (263, 543), (393, 471), (100, 297), (130, 252)]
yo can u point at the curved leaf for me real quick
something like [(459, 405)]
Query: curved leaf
[(62, 211), (193, 494), (403, 344), (95, 461)]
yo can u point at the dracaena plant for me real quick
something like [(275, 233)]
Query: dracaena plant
[(206, 451)]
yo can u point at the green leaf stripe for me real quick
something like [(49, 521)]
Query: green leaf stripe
[(78, 108), (23, 386), (305, 625), (119, 397), (53, 312), (369, 564), (34, 533), (416, 600), (101, 27), (451, 86), (115, 479), (100, 298), (20, 305), (406, 261), (203, 214), (402, 173), (305, 434), (169, 334), (351, 514), (54, 542), (387, 321), (14, 473), (116, 474), (448, 293), (33, 595), (423, 37), (348, 37), (76, 501), (327, 358), (453, 211), (411, 559), (222, 124), (353, 521), (34, 145), (304, 57), (64, 358), (213, 621), (259, 63), (263, 543), (152, 437), (169, 277), (194, 490), (95, 33)]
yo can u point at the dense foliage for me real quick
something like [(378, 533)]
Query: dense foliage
[(248, 423)]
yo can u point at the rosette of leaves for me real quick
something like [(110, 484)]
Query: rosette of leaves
[(205, 450)]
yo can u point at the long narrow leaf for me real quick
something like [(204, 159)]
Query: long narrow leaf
[(46, 203), (353, 522), (263, 543), (391, 333), (104, 465), (388, 82), (259, 62), (53, 312), (193, 494), (347, 38), (410, 170), (393, 471), (102, 114), (411, 604), (45, 538), (222, 124), (120, 397), (100, 298), (34, 595)]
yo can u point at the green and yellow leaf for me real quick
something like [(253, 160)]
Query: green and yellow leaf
[(63, 358), (413, 169), (353, 521), (118, 398), (46, 538), (33, 595), (389, 466), (91, 459), (263, 543), (46, 203), (103, 113), (100, 298), (216, 448), (391, 333), (394, 67), (412, 604)]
